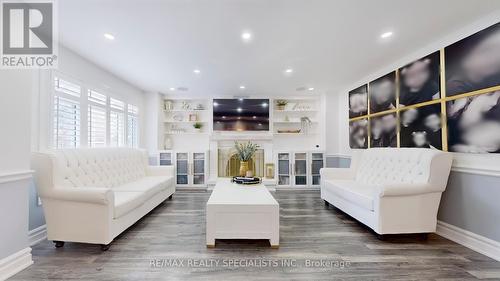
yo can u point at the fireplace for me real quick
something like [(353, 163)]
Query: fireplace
[(229, 164)]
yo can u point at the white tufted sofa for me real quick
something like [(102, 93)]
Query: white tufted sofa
[(92, 195), (391, 190)]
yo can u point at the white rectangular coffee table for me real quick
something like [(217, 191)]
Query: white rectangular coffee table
[(242, 212)]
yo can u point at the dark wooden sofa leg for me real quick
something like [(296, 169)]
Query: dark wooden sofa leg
[(105, 247), (326, 203), (170, 197), (423, 236), (58, 244), (381, 237)]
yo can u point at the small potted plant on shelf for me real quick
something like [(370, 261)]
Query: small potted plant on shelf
[(245, 152), (280, 104), (197, 127)]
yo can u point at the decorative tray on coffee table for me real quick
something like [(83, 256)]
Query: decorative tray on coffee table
[(245, 180)]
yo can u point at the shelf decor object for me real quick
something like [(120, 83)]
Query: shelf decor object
[(270, 170), (281, 104), (197, 127)]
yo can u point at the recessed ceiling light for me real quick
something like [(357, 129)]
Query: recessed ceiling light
[(239, 109), (223, 117), (109, 36), (197, 71), (311, 89), (246, 36), (264, 104), (386, 34), (254, 117), (242, 87), (172, 89), (216, 103), (288, 70)]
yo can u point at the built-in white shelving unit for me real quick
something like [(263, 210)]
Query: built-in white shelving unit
[(180, 116), (288, 119)]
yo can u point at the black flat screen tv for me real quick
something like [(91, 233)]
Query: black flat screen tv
[(241, 115)]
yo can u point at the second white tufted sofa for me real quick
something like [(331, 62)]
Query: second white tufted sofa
[(92, 195), (391, 190)]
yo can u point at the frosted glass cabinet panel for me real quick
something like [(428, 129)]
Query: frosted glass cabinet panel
[(182, 168), (165, 158), (198, 168), (300, 169), (284, 169), (317, 162)]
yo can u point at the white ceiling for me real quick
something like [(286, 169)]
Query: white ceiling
[(329, 43)]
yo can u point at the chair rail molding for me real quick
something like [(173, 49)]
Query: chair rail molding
[(478, 243), (11, 176), (37, 235), (15, 263)]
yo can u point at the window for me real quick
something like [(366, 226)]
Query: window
[(78, 111), (117, 123), (132, 126), (96, 119), (66, 114)]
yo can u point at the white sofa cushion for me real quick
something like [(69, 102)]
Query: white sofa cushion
[(131, 195), (127, 201), (360, 194)]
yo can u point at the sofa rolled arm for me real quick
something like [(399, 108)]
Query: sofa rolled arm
[(95, 195), (406, 189), (155, 171), (337, 173)]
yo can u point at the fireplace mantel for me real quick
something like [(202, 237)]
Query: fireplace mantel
[(240, 136)]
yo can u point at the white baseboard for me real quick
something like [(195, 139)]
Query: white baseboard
[(37, 235), (478, 243), (15, 263)]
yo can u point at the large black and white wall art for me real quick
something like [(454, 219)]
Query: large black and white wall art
[(474, 124), (358, 134), (421, 127), (419, 81), (358, 101), (448, 100), (383, 131), (473, 63), (383, 93)]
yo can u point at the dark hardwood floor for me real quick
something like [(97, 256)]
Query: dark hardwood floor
[(166, 244)]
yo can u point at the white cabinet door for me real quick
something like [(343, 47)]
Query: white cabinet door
[(284, 168), (191, 168), (317, 162), (300, 169)]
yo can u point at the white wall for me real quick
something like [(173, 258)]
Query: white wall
[(16, 88), (489, 162)]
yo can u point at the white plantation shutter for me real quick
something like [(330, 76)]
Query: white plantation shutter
[(97, 119), (66, 114), (66, 123), (133, 126), (117, 123)]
